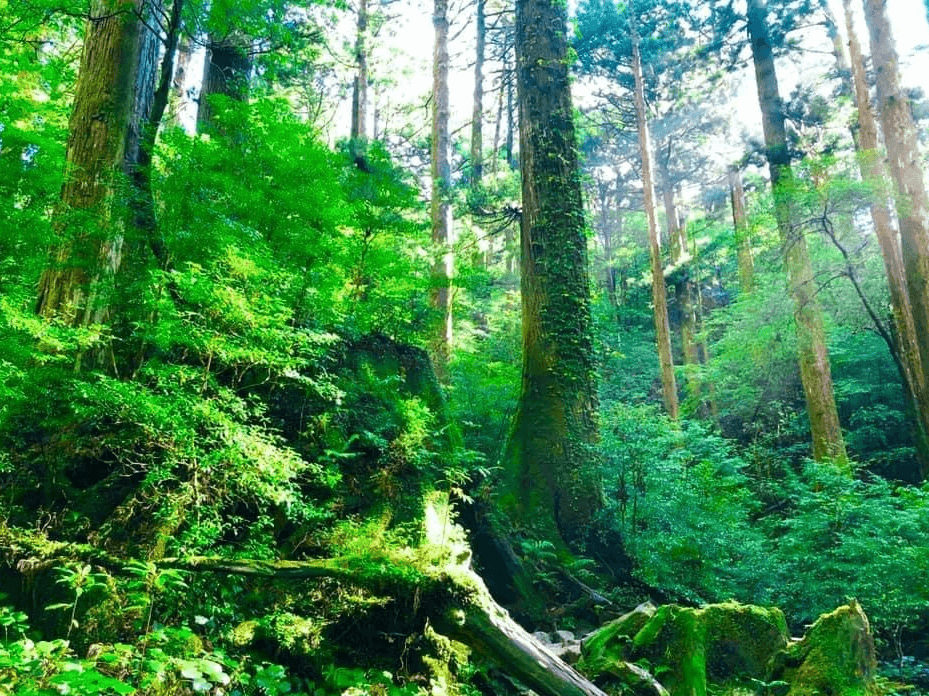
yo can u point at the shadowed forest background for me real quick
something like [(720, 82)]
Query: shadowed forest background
[(597, 365)]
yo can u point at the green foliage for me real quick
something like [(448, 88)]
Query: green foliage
[(680, 497)]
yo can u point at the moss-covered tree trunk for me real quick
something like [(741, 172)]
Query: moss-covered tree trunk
[(815, 372), (551, 454), (441, 203), (112, 100), (659, 292), (872, 172), (912, 202)]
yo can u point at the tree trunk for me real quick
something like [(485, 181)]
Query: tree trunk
[(112, 99), (659, 293), (550, 457), (872, 173), (912, 203), (226, 72), (441, 204), (815, 373), (477, 115), (178, 95), (360, 85), (742, 232)]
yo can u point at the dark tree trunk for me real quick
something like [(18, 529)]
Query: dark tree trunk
[(112, 100), (551, 453)]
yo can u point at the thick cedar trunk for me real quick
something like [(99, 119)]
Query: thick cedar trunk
[(872, 172), (360, 85), (441, 204), (112, 99), (912, 203), (815, 373), (659, 293), (742, 232), (225, 72), (477, 115), (550, 456)]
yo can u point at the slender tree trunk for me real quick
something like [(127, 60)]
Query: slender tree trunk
[(912, 203), (360, 85), (441, 204), (742, 232), (477, 115), (112, 99), (659, 293), (551, 453), (872, 172), (510, 125), (815, 373), (179, 97)]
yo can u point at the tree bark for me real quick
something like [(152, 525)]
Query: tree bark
[(112, 100), (742, 232), (360, 84), (912, 202), (659, 292), (550, 458), (905, 344), (226, 72), (477, 115), (815, 373), (441, 204)]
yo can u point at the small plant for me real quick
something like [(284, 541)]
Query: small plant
[(148, 583), (80, 580)]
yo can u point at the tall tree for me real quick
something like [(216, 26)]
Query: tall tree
[(360, 83), (551, 452), (441, 186), (906, 345), (815, 372), (477, 114), (659, 292), (112, 99), (742, 233), (912, 202)]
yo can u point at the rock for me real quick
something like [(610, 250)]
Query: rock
[(565, 637), (835, 657), (722, 643), (542, 637), (735, 648)]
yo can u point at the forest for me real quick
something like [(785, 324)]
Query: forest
[(566, 349)]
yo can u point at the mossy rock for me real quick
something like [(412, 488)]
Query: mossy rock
[(724, 643), (607, 646), (836, 657)]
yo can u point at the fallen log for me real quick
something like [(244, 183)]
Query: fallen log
[(455, 599)]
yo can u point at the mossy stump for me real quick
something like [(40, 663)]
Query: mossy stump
[(836, 657), (686, 647)]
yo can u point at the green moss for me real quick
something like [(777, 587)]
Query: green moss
[(836, 656), (722, 646)]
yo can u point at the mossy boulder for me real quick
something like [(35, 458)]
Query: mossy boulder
[(737, 649), (686, 647), (836, 657)]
